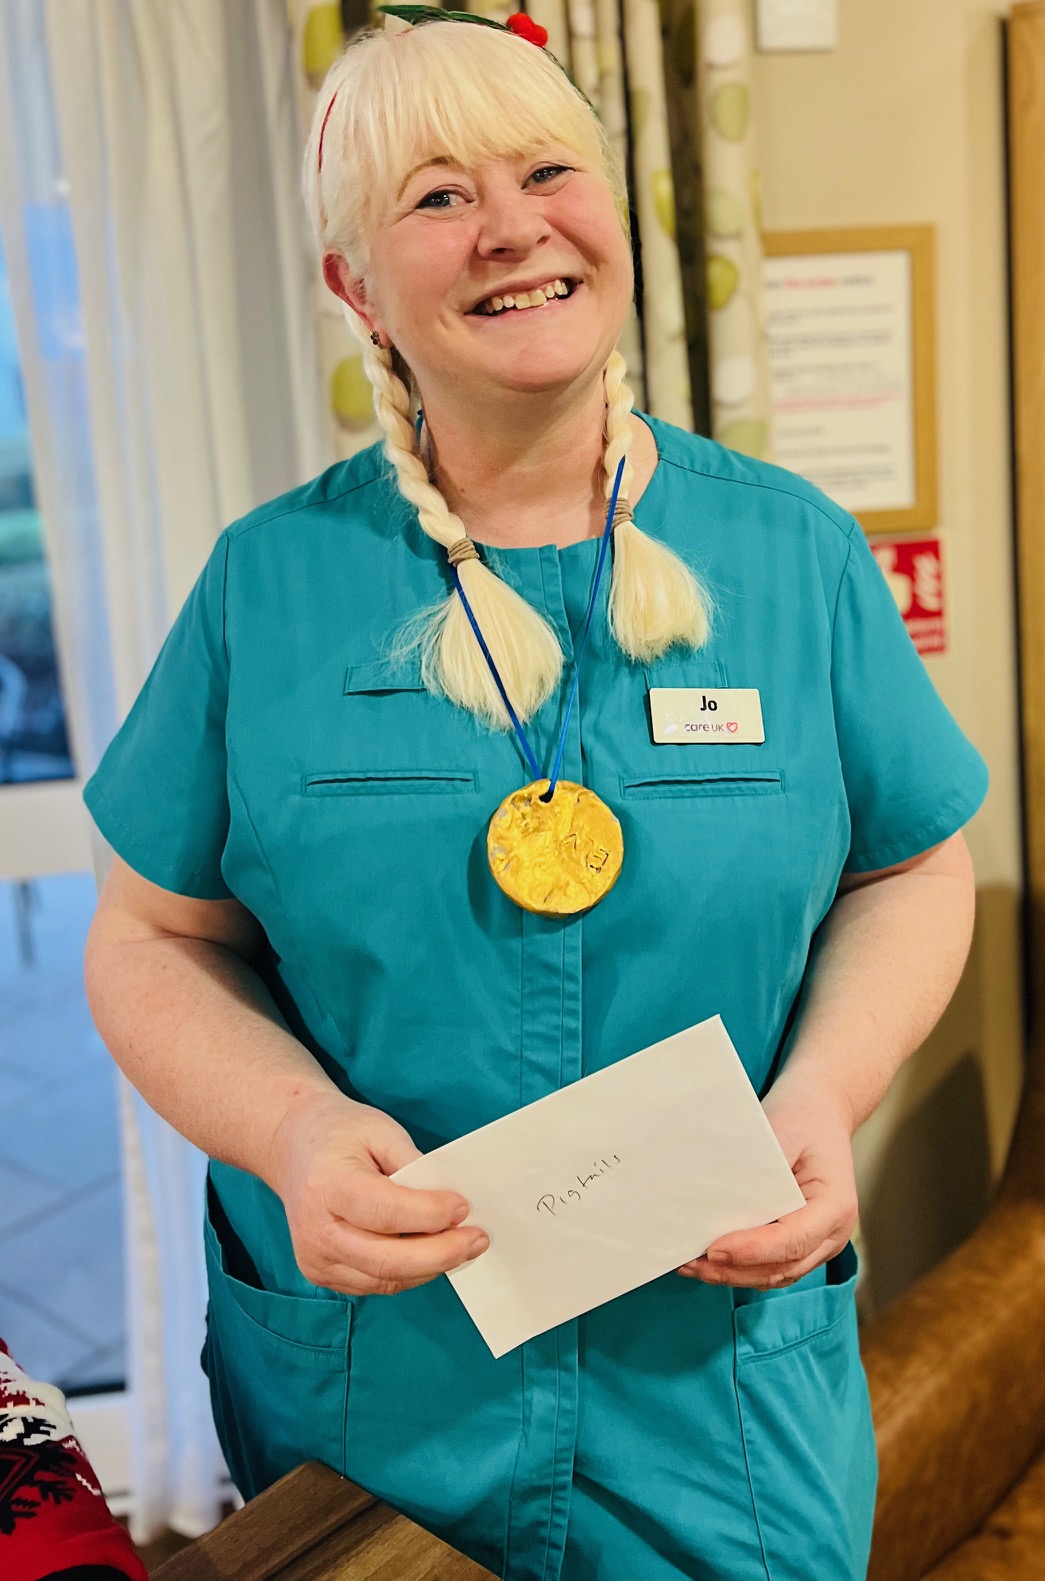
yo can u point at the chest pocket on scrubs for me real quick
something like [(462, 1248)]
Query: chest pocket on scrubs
[(385, 811), (806, 1420), (265, 1354), (703, 808), (700, 768), (356, 782), (748, 782), (406, 740)]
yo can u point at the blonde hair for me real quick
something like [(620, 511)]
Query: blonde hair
[(474, 93)]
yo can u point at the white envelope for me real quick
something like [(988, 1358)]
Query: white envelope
[(610, 1182)]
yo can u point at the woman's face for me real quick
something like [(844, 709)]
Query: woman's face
[(455, 237)]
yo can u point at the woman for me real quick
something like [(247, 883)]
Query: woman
[(305, 961)]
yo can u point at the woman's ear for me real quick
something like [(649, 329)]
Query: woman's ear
[(344, 286)]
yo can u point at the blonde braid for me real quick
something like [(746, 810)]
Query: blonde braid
[(655, 600), (525, 649)]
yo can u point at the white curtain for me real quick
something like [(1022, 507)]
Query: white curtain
[(163, 282)]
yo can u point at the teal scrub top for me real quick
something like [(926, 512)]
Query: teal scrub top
[(275, 755)]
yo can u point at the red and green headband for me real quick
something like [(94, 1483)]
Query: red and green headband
[(520, 23)]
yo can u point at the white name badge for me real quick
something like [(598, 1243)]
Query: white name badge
[(699, 716)]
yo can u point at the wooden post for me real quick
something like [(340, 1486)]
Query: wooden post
[(1026, 130)]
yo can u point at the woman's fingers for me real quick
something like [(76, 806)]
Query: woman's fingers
[(366, 1198), (361, 1262), (764, 1276), (350, 1281), (353, 1228)]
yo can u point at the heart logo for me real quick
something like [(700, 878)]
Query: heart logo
[(731, 725)]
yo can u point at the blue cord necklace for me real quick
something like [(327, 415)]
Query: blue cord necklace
[(554, 847)]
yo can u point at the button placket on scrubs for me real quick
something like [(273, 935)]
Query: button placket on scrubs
[(550, 1058)]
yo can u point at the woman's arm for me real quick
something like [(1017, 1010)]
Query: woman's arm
[(883, 966), (173, 991)]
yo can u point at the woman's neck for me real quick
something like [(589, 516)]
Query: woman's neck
[(519, 502)]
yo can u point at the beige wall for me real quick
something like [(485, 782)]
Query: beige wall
[(904, 123)]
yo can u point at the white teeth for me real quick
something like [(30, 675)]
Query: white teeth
[(524, 299)]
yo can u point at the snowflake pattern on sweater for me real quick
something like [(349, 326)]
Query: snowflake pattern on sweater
[(53, 1513), (38, 1449)]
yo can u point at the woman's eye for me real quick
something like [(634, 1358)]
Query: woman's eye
[(443, 192), (447, 192)]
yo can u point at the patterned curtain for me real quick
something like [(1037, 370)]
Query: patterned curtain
[(671, 82), (317, 30), (739, 359)]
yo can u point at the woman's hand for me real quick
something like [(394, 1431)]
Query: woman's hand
[(352, 1228), (812, 1124)]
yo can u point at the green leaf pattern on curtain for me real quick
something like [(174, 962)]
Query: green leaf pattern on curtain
[(316, 40), (738, 353)]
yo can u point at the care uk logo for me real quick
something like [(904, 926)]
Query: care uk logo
[(712, 726)]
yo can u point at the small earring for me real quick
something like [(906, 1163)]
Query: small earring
[(375, 337)]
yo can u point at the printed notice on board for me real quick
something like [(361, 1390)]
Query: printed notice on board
[(840, 351)]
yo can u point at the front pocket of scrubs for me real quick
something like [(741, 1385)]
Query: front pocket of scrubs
[(805, 1416), (278, 1368), (760, 782)]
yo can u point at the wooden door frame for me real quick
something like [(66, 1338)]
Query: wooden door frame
[(1025, 39)]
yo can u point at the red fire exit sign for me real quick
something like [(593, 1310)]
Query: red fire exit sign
[(913, 569)]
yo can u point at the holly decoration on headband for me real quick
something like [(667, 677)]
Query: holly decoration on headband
[(520, 23), (526, 27)]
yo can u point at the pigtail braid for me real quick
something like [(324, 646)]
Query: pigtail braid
[(525, 649), (655, 599)]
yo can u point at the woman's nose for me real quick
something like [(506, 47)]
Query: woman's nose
[(510, 220)]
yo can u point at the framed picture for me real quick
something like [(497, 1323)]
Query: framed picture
[(850, 325)]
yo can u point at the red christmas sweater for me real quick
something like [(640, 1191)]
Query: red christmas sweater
[(54, 1522)]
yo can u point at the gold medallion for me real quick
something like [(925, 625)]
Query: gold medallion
[(554, 857)]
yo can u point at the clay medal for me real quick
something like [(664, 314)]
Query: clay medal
[(554, 856), (554, 847)]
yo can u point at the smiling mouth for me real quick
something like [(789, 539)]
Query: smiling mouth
[(554, 305), (527, 302)]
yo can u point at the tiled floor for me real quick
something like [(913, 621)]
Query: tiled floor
[(61, 1255)]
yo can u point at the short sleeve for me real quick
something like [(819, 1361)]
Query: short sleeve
[(159, 795), (912, 778)]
